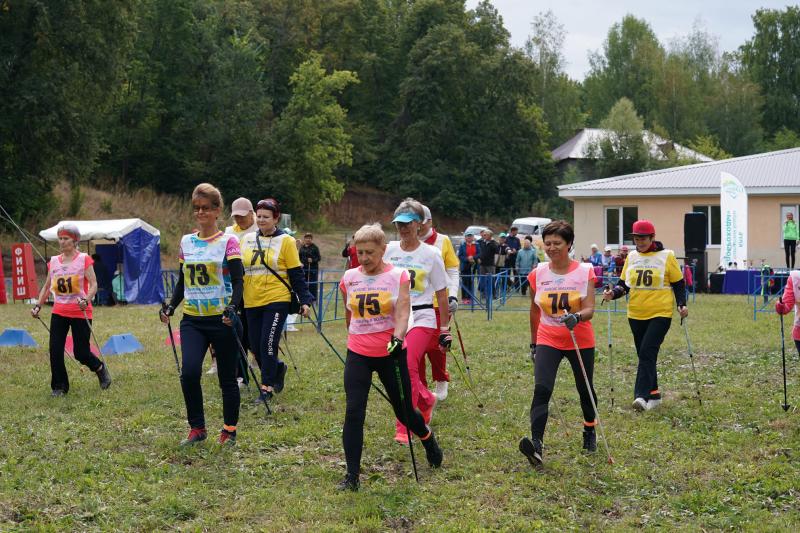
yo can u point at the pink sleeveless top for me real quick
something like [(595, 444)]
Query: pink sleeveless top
[(557, 293), (371, 301), (68, 283)]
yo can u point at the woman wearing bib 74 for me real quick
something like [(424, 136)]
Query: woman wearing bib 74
[(562, 299), (651, 275)]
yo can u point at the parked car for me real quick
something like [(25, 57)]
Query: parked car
[(531, 225), (475, 230)]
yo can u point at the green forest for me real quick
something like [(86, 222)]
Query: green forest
[(299, 99)]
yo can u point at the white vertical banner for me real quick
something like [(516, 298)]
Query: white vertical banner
[(733, 218)]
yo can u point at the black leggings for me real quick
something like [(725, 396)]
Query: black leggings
[(197, 333), (264, 328), (789, 247), (357, 378), (545, 369), (648, 336), (59, 327)]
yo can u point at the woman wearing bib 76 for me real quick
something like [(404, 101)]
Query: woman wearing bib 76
[(651, 275), (562, 299)]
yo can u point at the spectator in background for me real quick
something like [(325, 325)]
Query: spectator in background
[(105, 293), (620, 259), (790, 237), (596, 258), (527, 260), (351, 254), (468, 254), (514, 245), (244, 218), (489, 251), (310, 258)]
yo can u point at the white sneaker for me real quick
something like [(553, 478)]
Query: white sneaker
[(652, 404), (240, 382), (291, 328), (212, 370), (639, 404), (440, 391)]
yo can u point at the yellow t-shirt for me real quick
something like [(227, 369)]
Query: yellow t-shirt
[(649, 276), (261, 287)]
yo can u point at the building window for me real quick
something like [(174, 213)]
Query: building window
[(714, 230), (616, 232)]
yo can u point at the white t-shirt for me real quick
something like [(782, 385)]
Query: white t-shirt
[(426, 276)]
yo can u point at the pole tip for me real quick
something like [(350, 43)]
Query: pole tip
[(785, 407), (610, 460), (480, 406)]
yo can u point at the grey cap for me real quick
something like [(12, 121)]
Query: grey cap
[(427, 213)]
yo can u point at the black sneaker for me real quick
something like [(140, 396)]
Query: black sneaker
[(350, 482), (57, 393), (532, 450), (589, 440), (432, 451), (280, 379), (195, 435), (104, 377), (263, 398)]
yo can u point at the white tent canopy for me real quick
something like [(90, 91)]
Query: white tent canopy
[(101, 229)]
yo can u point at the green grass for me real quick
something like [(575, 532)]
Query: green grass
[(109, 460)]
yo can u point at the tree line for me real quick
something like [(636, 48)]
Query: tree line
[(298, 99)]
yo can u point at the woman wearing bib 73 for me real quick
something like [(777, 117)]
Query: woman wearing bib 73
[(651, 275), (562, 299)]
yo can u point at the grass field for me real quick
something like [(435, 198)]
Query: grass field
[(109, 460)]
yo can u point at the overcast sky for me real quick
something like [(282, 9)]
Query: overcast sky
[(586, 22)]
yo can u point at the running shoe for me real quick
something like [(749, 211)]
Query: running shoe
[(401, 436), (195, 435), (440, 391), (589, 439), (532, 450), (653, 403), (213, 369), (57, 393), (104, 377), (227, 438), (280, 379), (432, 451), (350, 482), (639, 404)]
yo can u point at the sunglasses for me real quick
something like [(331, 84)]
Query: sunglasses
[(203, 208), (269, 203)]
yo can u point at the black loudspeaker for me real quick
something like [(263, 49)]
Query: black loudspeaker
[(700, 269), (695, 229)]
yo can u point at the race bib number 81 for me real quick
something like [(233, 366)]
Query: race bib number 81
[(66, 285)]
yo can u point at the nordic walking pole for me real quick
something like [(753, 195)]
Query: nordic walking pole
[(610, 349), (467, 381), (91, 330), (394, 346), (330, 345), (289, 352), (691, 358), (171, 337), (243, 356), (783, 360), (591, 395), (463, 351), (69, 354)]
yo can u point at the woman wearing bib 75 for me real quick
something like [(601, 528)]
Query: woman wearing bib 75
[(651, 275), (71, 280), (562, 299)]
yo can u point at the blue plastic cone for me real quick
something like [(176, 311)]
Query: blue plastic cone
[(123, 343), (17, 337)]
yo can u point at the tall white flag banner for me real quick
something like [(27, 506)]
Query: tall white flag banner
[(733, 213)]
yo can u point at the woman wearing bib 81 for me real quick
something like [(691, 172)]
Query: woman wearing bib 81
[(651, 274), (562, 299), (71, 280), (266, 295), (211, 281), (376, 296), (428, 280)]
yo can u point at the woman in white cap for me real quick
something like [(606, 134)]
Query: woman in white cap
[(72, 281), (244, 218), (651, 275), (427, 280)]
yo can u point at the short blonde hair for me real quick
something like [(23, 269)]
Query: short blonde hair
[(370, 233), (208, 192)]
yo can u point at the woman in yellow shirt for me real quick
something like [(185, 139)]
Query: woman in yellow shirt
[(652, 276), (272, 265)]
